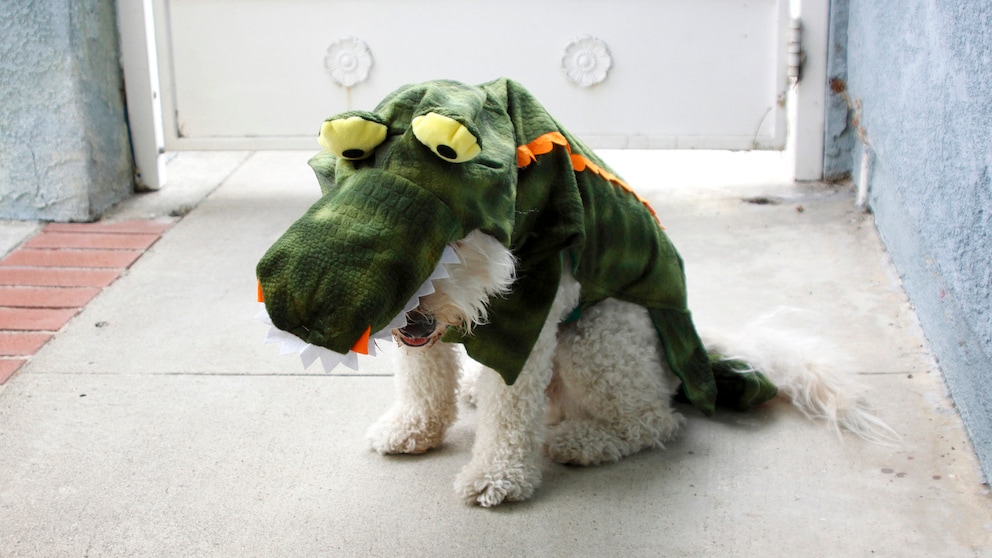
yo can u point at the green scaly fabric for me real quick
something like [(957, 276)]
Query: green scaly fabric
[(359, 253)]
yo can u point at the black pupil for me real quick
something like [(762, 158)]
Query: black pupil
[(352, 153), (446, 152)]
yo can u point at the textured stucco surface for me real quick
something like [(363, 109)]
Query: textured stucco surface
[(923, 74), (838, 128), (64, 148)]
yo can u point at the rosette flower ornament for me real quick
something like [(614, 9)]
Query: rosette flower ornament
[(587, 61), (349, 61)]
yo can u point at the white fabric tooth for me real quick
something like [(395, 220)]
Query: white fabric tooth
[(350, 360), (398, 321), (424, 290), (309, 355), (263, 316), (329, 360), (450, 256), (292, 345), (386, 333), (439, 273), (328, 363), (274, 335)]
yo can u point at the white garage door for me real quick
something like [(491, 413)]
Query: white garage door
[(263, 74)]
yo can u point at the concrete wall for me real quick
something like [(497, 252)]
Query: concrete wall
[(64, 148), (838, 130), (922, 76)]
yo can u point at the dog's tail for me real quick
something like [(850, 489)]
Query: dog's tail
[(807, 371)]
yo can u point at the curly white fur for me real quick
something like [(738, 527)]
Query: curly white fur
[(806, 369), (591, 392), (486, 270)]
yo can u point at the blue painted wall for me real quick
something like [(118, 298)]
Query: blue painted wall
[(839, 133), (65, 154), (922, 75)]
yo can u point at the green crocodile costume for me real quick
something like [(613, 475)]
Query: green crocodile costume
[(436, 161)]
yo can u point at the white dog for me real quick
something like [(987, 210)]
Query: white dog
[(485, 172), (591, 392)]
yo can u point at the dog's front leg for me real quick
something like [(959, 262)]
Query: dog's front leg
[(426, 383), (507, 455)]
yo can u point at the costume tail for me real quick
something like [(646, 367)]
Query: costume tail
[(807, 371)]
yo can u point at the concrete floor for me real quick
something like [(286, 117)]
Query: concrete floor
[(173, 431)]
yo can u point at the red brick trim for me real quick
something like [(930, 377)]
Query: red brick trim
[(46, 281)]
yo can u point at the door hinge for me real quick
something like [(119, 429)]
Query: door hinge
[(796, 54)]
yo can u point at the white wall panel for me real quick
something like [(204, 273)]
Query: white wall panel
[(686, 73)]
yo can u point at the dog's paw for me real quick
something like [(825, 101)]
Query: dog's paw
[(399, 433), (491, 486)]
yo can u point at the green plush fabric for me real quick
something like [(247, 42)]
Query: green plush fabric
[(383, 221), (739, 385), (354, 253)]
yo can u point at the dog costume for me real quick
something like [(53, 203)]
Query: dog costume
[(436, 161)]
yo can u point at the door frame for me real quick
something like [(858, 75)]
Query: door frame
[(145, 41), (139, 60)]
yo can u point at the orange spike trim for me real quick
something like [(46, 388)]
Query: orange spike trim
[(261, 297), (362, 345), (527, 154)]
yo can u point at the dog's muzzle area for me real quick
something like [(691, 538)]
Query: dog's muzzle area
[(485, 268), (421, 330)]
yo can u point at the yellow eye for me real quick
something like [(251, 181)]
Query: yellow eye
[(446, 137), (351, 138)]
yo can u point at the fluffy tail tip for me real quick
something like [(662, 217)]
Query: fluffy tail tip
[(807, 371)]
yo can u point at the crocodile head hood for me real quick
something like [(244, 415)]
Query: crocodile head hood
[(435, 162), (432, 163)]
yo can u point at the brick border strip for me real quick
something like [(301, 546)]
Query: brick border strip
[(49, 278)]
